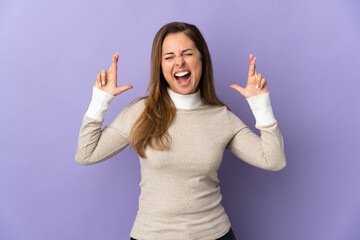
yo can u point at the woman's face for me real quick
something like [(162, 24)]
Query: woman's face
[(181, 63)]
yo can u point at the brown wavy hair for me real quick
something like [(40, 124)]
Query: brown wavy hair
[(151, 126)]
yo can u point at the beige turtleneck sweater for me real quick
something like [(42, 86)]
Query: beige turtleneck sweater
[(180, 195)]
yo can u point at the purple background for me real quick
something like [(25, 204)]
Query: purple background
[(51, 51)]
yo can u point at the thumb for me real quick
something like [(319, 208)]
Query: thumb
[(119, 90), (238, 88)]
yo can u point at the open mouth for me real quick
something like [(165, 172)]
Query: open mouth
[(183, 78)]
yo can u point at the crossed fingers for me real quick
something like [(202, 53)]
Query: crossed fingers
[(259, 80)]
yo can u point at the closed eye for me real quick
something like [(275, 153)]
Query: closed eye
[(188, 54)]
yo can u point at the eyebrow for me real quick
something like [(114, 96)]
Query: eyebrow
[(181, 52)]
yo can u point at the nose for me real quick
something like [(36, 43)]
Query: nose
[(179, 61)]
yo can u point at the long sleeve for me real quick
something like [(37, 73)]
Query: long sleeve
[(96, 145), (266, 151)]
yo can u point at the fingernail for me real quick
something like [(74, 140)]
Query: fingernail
[(99, 84), (103, 82), (257, 86)]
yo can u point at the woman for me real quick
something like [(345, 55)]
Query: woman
[(180, 131)]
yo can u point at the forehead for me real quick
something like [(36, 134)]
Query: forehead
[(177, 42)]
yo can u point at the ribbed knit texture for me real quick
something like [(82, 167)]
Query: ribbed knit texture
[(180, 195)]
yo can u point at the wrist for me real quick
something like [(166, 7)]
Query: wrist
[(99, 104), (261, 108)]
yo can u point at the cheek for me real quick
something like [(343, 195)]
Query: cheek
[(166, 72), (165, 69), (198, 68)]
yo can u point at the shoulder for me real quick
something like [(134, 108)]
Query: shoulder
[(223, 117), (136, 105), (223, 111), (232, 119), (220, 113), (129, 114)]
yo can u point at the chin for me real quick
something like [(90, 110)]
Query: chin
[(184, 91)]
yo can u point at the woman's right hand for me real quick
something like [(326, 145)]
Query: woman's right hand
[(108, 81)]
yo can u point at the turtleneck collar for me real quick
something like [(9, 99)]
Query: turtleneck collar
[(187, 101)]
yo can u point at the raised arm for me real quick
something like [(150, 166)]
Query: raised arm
[(266, 151), (96, 145)]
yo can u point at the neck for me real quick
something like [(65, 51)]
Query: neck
[(188, 101)]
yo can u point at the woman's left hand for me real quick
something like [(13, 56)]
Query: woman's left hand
[(256, 83)]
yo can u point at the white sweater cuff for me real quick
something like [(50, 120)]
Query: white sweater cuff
[(261, 108), (100, 102)]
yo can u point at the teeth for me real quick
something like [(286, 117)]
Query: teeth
[(181, 74)]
